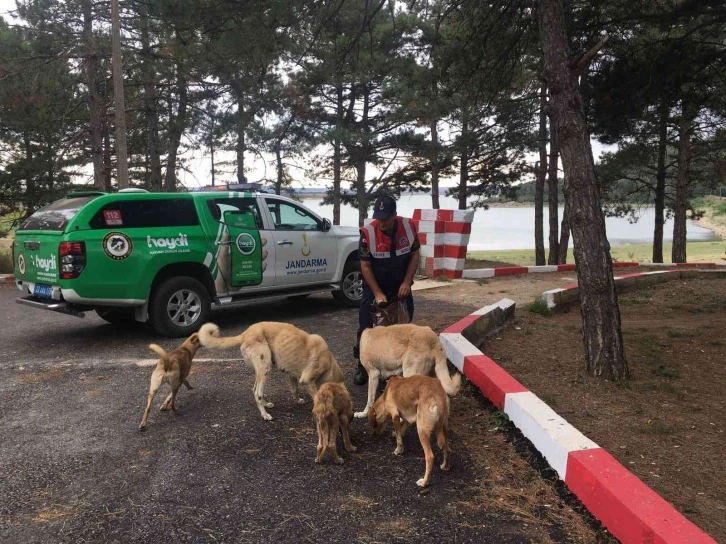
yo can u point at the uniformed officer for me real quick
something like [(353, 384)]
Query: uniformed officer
[(389, 257)]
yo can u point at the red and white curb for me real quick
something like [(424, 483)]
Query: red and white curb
[(626, 506), (562, 296), (476, 273), (7, 278)]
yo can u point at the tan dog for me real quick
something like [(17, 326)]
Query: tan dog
[(305, 357), (420, 400), (172, 368), (403, 349), (332, 408)]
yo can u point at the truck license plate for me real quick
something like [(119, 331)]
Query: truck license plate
[(45, 291)]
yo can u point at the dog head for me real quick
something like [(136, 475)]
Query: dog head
[(192, 343), (378, 416)]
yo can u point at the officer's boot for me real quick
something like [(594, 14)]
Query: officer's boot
[(361, 376)]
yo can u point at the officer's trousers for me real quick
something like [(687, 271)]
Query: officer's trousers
[(365, 319)]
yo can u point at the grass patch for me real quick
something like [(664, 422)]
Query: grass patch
[(715, 343), (656, 427), (482, 281), (539, 306), (442, 279), (678, 334), (664, 372), (6, 261), (707, 252)]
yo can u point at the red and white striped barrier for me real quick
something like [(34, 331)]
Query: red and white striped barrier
[(6, 278), (444, 236), (475, 273), (626, 506)]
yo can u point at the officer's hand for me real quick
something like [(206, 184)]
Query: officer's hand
[(404, 290), (381, 298)]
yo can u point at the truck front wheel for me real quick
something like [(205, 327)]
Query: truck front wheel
[(351, 285), (179, 306)]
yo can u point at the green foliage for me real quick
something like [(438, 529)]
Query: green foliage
[(539, 307)]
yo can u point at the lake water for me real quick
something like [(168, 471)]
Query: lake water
[(513, 228)]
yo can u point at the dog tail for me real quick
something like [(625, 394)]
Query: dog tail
[(162, 354), (209, 338), (441, 436), (450, 385)]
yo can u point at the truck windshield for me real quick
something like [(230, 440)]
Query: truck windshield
[(55, 216)]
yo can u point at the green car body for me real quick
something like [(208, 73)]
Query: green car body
[(121, 253)]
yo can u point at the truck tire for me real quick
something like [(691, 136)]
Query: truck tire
[(116, 316), (351, 285), (179, 306)]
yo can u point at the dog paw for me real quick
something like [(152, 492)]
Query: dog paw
[(269, 404), (301, 401), (142, 427), (361, 414), (422, 482), (318, 460), (352, 449), (445, 467), (339, 460), (398, 451), (267, 417), (164, 408)]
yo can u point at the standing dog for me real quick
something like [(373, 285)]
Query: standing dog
[(420, 400), (305, 357), (403, 349), (332, 408), (172, 368)]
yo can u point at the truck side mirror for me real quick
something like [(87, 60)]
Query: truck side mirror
[(326, 226)]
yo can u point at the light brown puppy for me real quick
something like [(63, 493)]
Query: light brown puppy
[(304, 357), (332, 408), (420, 400), (172, 368), (407, 350)]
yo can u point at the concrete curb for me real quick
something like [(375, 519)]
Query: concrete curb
[(562, 297), (626, 506), (474, 273)]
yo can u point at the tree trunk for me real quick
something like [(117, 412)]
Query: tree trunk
[(362, 159), (30, 196), (660, 184), (176, 129), (435, 164), (336, 151), (680, 209), (150, 109), (604, 350), (554, 205), (94, 100), (241, 143), (106, 155), (122, 167), (278, 160), (539, 250), (564, 235), (464, 169)]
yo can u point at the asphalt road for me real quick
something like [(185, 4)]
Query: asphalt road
[(74, 468)]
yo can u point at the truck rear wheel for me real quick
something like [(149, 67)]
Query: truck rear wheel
[(351, 285), (179, 306)]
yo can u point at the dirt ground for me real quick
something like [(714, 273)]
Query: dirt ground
[(73, 467), (667, 423)]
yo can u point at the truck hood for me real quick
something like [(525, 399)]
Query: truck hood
[(345, 231)]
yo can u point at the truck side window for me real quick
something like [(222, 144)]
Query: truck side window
[(290, 217), (147, 213), (218, 206)]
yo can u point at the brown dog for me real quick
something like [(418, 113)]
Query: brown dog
[(305, 358), (407, 350), (332, 408), (420, 400), (172, 368)]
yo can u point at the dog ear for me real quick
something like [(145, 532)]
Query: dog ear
[(194, 338)]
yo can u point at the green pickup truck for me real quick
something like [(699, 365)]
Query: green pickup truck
[(167, 258)]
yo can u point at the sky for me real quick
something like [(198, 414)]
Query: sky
[(198, 161)]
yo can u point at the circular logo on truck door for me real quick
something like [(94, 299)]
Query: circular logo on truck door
[(22, 267), (117, 246), (246, 243)]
